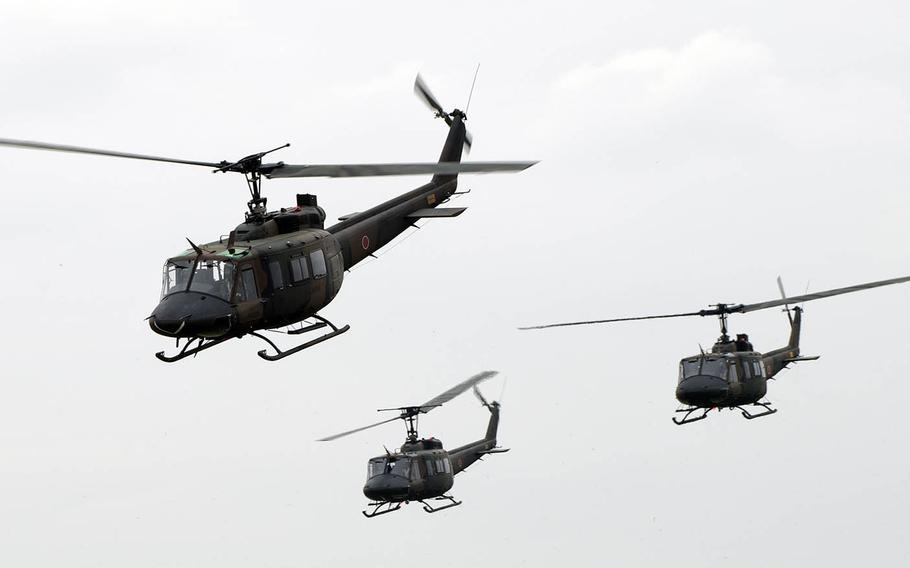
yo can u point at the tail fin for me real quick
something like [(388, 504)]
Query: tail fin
[(454, 146), (795, 327), (493, 425), (493, 407)]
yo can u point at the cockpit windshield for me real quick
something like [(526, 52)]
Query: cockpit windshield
[(394, 465), (207, 276), (703, 366), (714, 368)]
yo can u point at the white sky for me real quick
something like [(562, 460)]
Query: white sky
[(691, 152)]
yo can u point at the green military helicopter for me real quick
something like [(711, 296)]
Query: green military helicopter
[(279, 268), (733, 374), (422, 470)]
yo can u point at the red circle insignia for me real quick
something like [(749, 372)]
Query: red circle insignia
[(365, 242)]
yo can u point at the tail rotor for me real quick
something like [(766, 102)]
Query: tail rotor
[(423, 92), (780, 286)]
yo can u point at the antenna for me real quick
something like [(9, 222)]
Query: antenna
[(471, 92)]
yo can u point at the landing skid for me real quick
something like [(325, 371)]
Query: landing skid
[(187, 352), (766, 405), (686, 420), (430, 509), (746, 414), (203, 344), (389, 507), (279, 354)]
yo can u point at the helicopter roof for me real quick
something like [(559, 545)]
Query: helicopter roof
[(715, 356), (219, 250)]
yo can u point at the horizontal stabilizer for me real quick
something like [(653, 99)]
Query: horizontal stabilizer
[(797, 359), (436, 213), (495, 451), (348, 216)]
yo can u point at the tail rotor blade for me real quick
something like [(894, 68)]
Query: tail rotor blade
[(780, 286), (480, 397), (424, 93)]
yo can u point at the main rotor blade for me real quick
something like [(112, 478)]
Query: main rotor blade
[(425, 407), (458, 389), (80, 150), (423, 91), (404, 169), (819, 295), (349, 432), (567, 324)]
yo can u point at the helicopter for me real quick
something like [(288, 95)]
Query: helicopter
[(733, 374), (279, 268), (422, 470)]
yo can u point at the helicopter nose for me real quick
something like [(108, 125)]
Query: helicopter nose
[(386, 487), (702, 390), (191, 314)]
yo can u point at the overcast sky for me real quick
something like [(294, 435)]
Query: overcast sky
[(691, 152)]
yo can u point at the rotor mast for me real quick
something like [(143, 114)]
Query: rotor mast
[(251, 167), (722, 317)]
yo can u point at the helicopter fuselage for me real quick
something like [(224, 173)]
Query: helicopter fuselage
[(722, 379), (412, 474), (422, 469), (279, 268), (266, 275), (732, 375)]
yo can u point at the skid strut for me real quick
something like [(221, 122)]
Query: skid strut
[(389, 507), (279, 354), (767, 410), (686, 420), (430, 509), (186, 351)]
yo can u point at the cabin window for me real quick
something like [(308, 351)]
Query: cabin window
[(317, 259), (299, 271), (275, 273), (415, 470), (430, 469), (213, 277), (758, 368), (248, 290), (448, 465), (747, 370), (733, 376)]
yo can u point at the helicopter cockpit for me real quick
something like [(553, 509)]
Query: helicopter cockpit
[(214, 277), (712, 366), (393, 465)]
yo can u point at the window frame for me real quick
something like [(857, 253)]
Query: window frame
[(275, 268), (318, 253), (299, 260), (241, 292)]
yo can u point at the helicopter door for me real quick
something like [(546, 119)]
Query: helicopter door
[(319, 294), (336, 273), (289, 294), (249, 308), (418, 470)]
